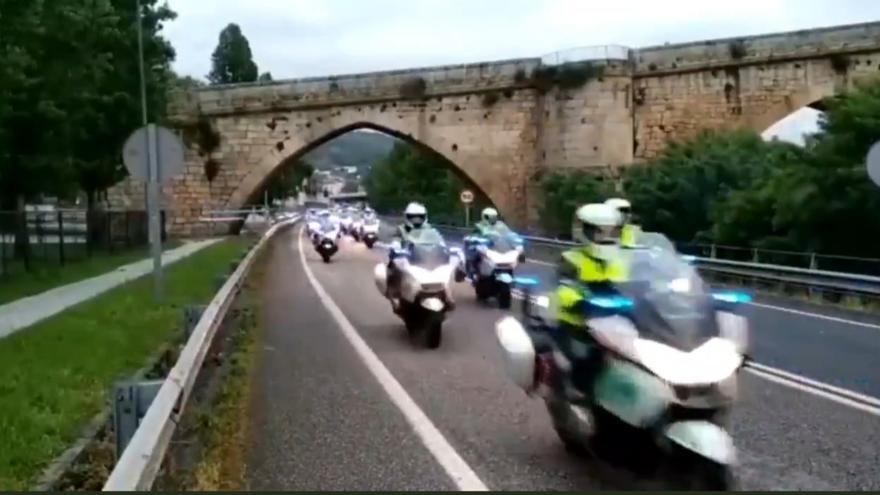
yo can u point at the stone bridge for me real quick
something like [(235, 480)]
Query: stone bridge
[(503, 123)]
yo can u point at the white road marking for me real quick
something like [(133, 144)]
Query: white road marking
[(539, 262), (805, 386), (458, 470), (839, 395), (817, 315)]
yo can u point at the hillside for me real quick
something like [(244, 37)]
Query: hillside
[(359, 149)]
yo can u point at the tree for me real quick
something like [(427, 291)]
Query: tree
[(563, 193), (413, 173), (232, 61), (679, 192), (265, 77)]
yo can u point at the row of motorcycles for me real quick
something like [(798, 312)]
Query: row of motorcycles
[(426, 268), (671, 349), (325, 227)]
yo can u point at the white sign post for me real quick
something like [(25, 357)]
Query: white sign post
[(154, 154), (467, 198)]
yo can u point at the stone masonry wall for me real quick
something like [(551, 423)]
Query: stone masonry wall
[(492, 146)]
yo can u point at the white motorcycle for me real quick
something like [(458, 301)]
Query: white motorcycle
[(422, 295), (355, 228), (671, 352), (345, 224), (369, 232), (326, 241), (497, 257)]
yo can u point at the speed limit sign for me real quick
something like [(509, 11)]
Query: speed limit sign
[(466, 197)]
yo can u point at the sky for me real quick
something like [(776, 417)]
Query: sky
[(301, 38)]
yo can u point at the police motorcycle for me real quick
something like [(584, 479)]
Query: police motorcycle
[(672, 351), (496, 256), (313, 220), (423, 294), (326, 239), (357, 222), (369, 230)]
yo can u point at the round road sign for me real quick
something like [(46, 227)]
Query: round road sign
[(134, 154), (466, 197)]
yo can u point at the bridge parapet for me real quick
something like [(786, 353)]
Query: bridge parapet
[(370, 87), (747, 50)]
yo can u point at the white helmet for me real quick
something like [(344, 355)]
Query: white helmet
[(598, 224), (622, 206), (490, 215), (415, 215)]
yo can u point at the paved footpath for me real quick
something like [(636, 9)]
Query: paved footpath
[(26, 311)]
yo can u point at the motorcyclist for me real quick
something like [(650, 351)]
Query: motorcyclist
[(629, 231), (489, 224), (415, 222), (586, 270)]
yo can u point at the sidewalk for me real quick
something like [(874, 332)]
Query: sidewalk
[(25, 312)]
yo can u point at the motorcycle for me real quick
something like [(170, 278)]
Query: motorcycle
[(422, 296), (326, 241), (355, 228), (497, 256), (671, 353), (369, 233), (345, 224)]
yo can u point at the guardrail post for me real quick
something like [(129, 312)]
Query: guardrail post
[(191, 317), (712, 251), (813, 265), (754, 255), (133, 398)]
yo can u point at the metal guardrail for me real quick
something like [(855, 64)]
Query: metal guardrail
[(139, 464), (548, 250)]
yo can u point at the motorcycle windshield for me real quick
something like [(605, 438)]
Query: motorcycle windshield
[(427, 249), (671, 303), (503, 241)]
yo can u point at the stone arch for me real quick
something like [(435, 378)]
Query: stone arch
[(275, 160), (486, 146), (810, 96)]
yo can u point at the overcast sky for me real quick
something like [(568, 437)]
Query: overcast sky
[(298, 38)]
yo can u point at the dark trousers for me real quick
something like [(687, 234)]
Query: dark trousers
[(585, 366)]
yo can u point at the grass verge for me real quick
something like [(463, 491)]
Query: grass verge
[(224, 426), (44, 276), (56, 375)]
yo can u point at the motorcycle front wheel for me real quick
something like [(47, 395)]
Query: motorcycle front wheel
[(703, 474), (425, 330), (575, 435), (503, 295)]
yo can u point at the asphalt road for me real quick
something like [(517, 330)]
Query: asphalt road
[(322, 421)]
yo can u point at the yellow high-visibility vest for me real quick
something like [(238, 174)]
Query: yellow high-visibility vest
[(590, 271)]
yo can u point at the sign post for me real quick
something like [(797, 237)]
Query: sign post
[(154, 154), (467, 197)]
